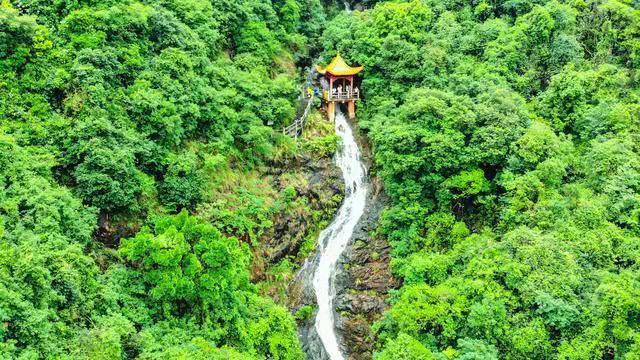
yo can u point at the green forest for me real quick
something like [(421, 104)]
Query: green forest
[(151, 208)]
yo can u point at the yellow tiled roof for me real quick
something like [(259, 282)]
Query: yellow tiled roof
[(338, 67)]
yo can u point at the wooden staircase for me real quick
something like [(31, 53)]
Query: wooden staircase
[(295, 129)]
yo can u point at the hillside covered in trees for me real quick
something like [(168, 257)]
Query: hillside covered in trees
[(136, 183), (508, 135), (151, 209)]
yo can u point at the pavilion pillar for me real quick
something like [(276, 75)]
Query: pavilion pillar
[(331, 110), (351, 107), (330, 86)]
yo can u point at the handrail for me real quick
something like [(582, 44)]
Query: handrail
[(295, 129), (343, 95)]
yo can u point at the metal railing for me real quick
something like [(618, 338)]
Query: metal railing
[(295, 129)]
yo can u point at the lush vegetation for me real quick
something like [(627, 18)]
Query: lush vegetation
[(135, 190), (507, 134), (149, 210)]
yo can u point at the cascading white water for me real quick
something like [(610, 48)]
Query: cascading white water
[(334, 239)]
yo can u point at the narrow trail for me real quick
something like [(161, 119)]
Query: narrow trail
[(335, 238)]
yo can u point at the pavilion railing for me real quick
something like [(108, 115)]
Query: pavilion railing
[(342, 95), (295, 129)]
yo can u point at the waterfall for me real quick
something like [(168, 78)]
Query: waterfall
[(334, 239)]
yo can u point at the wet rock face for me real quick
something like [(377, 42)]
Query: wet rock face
[(322, 187), (373, 275), (318, 183), (362, 283), (357, 302), (317, 193)]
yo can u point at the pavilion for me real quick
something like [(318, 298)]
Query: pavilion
[(339, 86)]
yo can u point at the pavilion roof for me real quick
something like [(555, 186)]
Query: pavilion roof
[(339, 67)]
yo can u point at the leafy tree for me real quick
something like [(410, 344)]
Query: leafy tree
[(190, 268), (183, 182), (470, 349), (405, 348)]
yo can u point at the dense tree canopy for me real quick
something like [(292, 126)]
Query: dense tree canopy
[(113, 115), (506, 133), (137, 194)]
